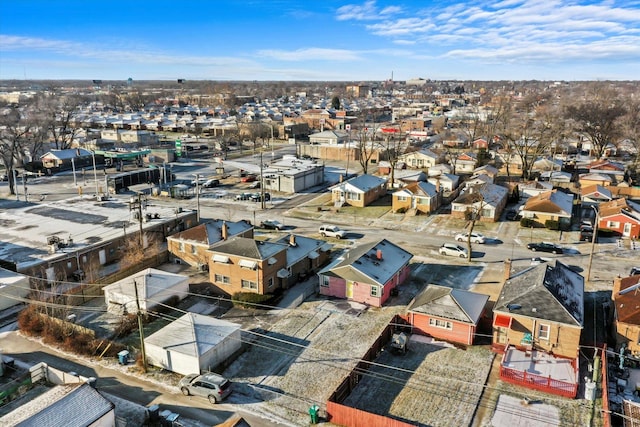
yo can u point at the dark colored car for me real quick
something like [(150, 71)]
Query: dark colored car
[(244, 196), (272, 224), (586, 235), (634, 271), (257, 197), (512, 215), (210, 183), (545, 247)]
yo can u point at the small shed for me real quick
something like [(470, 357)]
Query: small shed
[(193, 343), (154, 287)]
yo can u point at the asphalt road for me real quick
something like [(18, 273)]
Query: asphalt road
[(126, 386)]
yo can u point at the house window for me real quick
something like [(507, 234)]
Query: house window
[(181, 247), (324, 281), (374, 291), (219, 278), (543, 332), (353, 196), (440, 323), (402, 198), (613, 224), (248, 284), (194, 249), (270, 282)]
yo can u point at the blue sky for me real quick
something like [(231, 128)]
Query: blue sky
[(320, 40)]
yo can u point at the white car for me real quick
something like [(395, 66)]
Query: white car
[(475, 237), (452, 249), (331, 231)]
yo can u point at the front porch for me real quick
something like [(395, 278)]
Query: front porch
[(540, 370)]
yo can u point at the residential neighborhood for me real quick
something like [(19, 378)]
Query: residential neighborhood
[(287, 262)]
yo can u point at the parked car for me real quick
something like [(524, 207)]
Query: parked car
[(512, 215), (210, 183), (272, 224), (248, 178), (4, 177), (452, 249), (586, 235), (331, 231), (545, 247), (475, 237), (255, 184), (257, 197), (634, 271), (244, 196), (212, 386)]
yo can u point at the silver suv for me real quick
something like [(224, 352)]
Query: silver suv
[(331, 231), (212, 386)]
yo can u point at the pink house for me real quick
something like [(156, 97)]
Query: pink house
[(366, 274)]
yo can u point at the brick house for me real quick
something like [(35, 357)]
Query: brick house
[(241, 264), (446, 313), (487, 200), (541, 307), (366, 274), (422, 159), (191, 246), (420, 196), (549, 206), (620, 216), (594, 195), (305, 256), (359, 191), (626, 300)]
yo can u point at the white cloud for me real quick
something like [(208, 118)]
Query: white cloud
[(357, 12), (318, 54)]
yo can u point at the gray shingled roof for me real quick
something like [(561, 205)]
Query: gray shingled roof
[(248, 248), (448, 303), (554, 293), (64, 405), (361, 263)]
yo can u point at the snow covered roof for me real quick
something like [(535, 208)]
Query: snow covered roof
[(448, 303), (363, 183), (149, 283), (302, 247), (554, 293), (70, 405), (374, 263), (192, 334)]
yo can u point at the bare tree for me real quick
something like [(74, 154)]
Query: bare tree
[(59, 120), (393, 146), (529, 131), (14, 131), (597, 118)]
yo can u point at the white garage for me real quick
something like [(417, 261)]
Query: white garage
[(153, 287), (15, 288), (193, 344)]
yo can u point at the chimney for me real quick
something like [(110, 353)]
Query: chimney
[(617, 284), (224, 230), (507, 269), (379, 254), (292, 240)]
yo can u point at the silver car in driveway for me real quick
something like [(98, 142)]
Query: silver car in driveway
[(452, 249), (212, 386)]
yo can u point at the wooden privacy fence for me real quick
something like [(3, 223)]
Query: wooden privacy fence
[(352, 417)]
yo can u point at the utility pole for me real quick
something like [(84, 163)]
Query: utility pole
[(142, 349), (137, 204), (198, 198), (593, 243), (262, 205)]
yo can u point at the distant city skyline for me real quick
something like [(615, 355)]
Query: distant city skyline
[(330, 40)]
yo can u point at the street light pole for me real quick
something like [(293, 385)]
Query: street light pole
[(95, 174), (198, 198), (593, 243)]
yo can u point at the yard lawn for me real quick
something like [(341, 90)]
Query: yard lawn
[(431, 384), (302, 359)]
